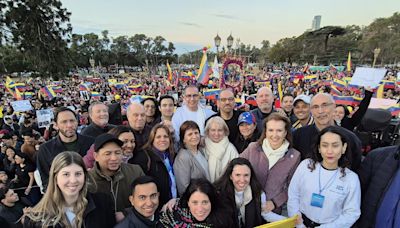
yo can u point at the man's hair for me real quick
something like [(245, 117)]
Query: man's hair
[(166, 97), (62, 109), (94, 104), (3, 192), (142, 180), (190, 86)]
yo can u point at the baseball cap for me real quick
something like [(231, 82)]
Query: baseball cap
[(105, 138), (246, 117), (306, 99)]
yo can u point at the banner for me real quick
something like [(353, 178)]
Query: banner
[(21, 106), (44, 117), (286, 223)]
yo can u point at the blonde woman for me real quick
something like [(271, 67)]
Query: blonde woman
[(66, 202), (217, 147)]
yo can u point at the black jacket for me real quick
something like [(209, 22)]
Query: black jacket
[(231, 123), (304, 140), (376, 173), (260, 116), (355, 120), (94, 130), (141, 137), (98, 213), (241, 144), (154, 166), (135, 220), (49, 150)]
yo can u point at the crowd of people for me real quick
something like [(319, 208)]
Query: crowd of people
[(170, 157)]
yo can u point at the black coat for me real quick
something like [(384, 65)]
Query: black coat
[(94, 130), (49, 150), (152, 165), (355, 120), (376, 173), (98, 213), (304, 139)]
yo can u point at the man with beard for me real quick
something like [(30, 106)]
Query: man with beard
[(226, 105), (67, 140), (98, 113)]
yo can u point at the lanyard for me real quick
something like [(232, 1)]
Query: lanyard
[(329, 183)]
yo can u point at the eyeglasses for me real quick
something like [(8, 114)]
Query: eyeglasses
[(323, 106), (192, 95), (230, 99)]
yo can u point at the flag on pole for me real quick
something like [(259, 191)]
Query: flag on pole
[(215, 68), (204, 71), (349, 64), (169, 72), (379, 91)]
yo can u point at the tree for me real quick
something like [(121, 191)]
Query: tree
[(40, 30)]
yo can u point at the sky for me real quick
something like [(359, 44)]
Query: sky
[(193, 24)]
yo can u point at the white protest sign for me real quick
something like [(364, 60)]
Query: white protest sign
[(381, 103), (84, 95), (398, 76), (44, 117), (365, 76), (21, 106)]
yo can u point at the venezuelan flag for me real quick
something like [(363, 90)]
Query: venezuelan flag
[(169, 78), (388, 84), (205, 70), (83, 87), (28, 95), (250, 100), (95, 94), (394, 109), (211, 94), (57, 89), (344, 100), (310, 78), (48, 92), (20, 86), (357, 100), (335, 91), (341, 85), (349, 64)]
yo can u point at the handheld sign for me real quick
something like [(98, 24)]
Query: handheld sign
[(364, 76), (21, 106), (44, 117)]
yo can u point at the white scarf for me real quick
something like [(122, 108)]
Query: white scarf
[(274, 155), (215, 152), (242, 199)]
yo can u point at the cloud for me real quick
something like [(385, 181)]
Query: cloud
[(191, 24), (226, 16)]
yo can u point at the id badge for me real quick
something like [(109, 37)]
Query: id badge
[(317, 200)]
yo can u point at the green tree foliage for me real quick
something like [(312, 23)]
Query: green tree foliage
[(40, 30)]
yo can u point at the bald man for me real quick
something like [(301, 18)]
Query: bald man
[(265, 101), (323, 109), (137, 121)]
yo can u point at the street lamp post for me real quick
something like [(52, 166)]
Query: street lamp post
[(376, 53), (217, 41), (230, 42)]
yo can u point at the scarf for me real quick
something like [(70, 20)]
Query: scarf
[(274, 155), (242, 199), (215, 152), (181, 217)]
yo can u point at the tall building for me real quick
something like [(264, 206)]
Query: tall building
[(316, 23)]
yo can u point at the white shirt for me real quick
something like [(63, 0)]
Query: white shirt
[(341, 206), (183, 114)]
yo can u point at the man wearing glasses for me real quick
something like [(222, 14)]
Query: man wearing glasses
[(226, 105), (323, 109), (191, 110)]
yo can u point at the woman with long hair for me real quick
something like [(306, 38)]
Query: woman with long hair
[(198, 207), (274, 160), (191, 162), (323, 190), (153, 115), (156, 159), (217, 147), (239, 189), (126, 135), (66, 202)]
